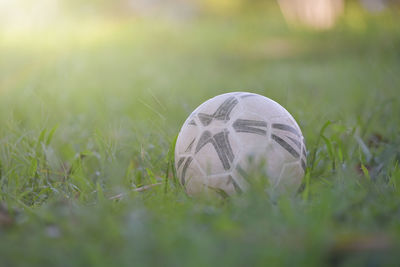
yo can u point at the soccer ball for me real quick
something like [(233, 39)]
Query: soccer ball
[(226, 137)]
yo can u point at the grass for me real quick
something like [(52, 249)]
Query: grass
[(89, 114)]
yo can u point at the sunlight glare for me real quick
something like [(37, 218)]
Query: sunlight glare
[(25, 15)]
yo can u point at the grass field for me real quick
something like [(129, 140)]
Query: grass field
[(89, 113)]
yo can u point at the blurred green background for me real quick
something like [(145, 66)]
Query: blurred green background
[(93, 93)]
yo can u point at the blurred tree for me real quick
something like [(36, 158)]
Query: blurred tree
[(318, 14), (376, 6)]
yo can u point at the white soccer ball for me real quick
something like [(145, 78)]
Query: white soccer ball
[(227, 136)]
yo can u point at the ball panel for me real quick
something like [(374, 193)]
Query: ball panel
[(250, 164), (263, 106), (276, 156), (287, 124), (303, 155), (192, 178), (287, 133), (218, 110), (215, 151), (290, 177), (186, 139), (227, 183), (251, 131), (241, 177)]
